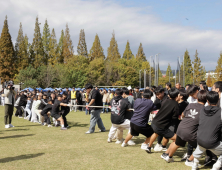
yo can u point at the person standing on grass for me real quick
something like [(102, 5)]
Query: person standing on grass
[(9, 105), (73, 99), (55, 111), (95, 100), (105, 100)]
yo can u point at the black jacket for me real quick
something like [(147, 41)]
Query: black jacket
[(209, 130), (137, 95), (43, 104), (119, 107), (23, 100)]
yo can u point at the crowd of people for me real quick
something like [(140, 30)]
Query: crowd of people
[(190, 114)]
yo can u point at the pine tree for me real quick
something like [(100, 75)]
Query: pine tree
[(82, 47), (53, 52), (7, 54), (67, 48), (209, 80), (218, 70), (198, 70), (21, 50), (113, 51), (169, 71), (188, 69), (140, 54), (60, 46), (46, 38), (37, 47), (128, 53), (97, 50)]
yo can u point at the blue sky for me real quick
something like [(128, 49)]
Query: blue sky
[(161, 26)]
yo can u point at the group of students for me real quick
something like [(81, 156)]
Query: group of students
[(189, 115), (39, 107)]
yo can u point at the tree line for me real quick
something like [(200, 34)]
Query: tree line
[(47, 62)]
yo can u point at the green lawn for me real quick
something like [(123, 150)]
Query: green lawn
[(32, 146)]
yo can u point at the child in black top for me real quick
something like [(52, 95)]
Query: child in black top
[(209, 131), (167, 114)]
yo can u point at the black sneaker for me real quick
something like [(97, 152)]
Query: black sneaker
[(148, 150), (209, 161)]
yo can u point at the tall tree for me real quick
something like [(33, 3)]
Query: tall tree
[(60, 46), (209, 80), (53, 49), (37, 47), (7, 54), (113, 51), (97, 50), (67, 48), (82, 47), (169, 71), (188, 69), (46, 38), (198, 70), (21, 50), (140, 54), (218, 70), (128, 53)]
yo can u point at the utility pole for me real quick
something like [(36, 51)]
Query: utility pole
[(144, 79), (140, 78), (150, 71)]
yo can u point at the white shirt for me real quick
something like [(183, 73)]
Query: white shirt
[(191, 100)]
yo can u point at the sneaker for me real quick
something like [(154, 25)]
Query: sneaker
[(184, 158), (164, 155), (144, 146), (148, 149), (63, 128), (20, 117), (10, 125), (44, 124), (103, 130), (67, 126), (24, 117), (190, 163), (217, 165), (102, 112), (124, 144), (158, 147), (164, 149), (109, 140), (88, 132), (119, 141), (131, 143), (50, 126), (114, 138), (168, 159), (7, 126)]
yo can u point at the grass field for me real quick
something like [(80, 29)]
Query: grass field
[(32, 146)]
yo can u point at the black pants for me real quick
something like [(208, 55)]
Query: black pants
[(8, 113), (47, 119), (18, 111), (64, 114)]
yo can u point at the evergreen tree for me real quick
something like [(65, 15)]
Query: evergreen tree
[(198, 70), (21, 50), (53, 52), (169, 71), (188, 69), (60, 46), (37, 47), (97, 50), (46, 38), (128, 53), (113, 51), (82, 48), (7, 54), (218, 70), (67, 48), (140, 54)]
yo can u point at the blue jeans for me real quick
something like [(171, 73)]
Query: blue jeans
[(87, 110), (104, 104), (95, 118)]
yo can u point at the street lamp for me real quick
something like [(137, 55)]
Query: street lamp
[(140, 78)]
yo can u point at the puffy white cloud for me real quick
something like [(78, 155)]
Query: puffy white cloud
[(129, 23)]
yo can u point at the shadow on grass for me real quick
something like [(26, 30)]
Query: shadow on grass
[(76, 124), (29, 125), (16, 136), (16, 130), (20, 157)]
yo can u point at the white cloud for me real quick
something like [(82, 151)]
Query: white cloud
[(103, 17)]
